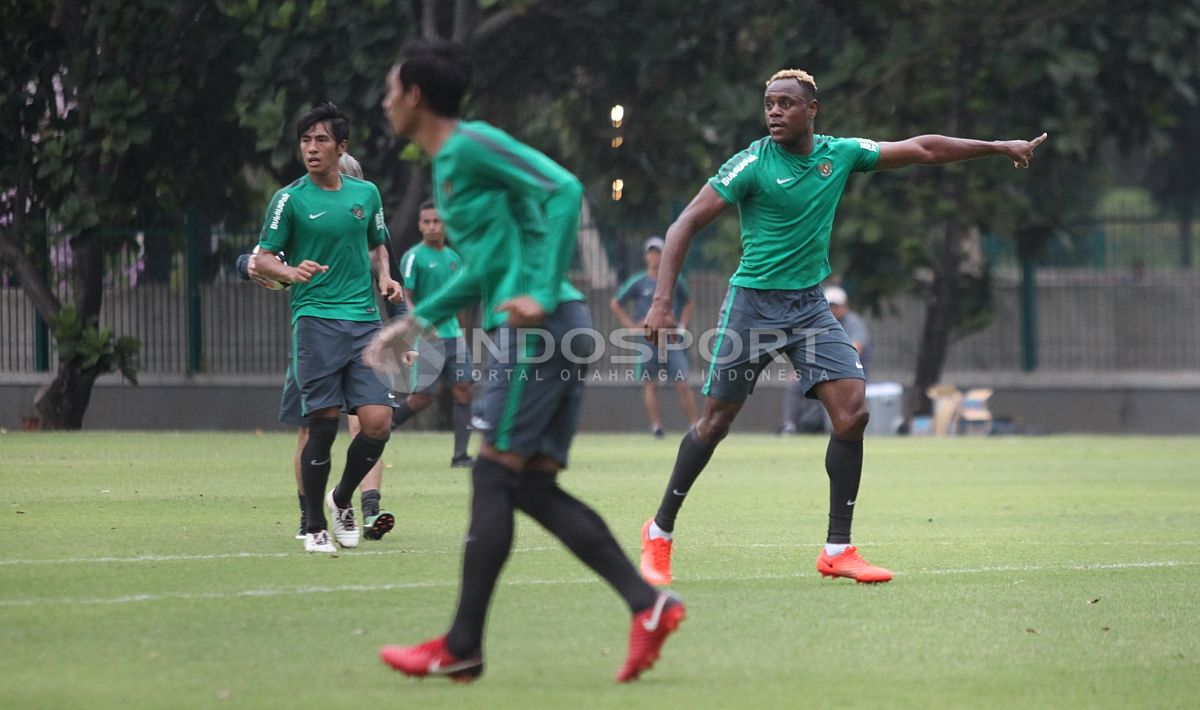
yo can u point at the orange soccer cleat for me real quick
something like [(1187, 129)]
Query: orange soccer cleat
[(656, 558), (432, 658), (851, 565), (647, 634)]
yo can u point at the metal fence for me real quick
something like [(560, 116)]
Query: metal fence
[(1129, 301)]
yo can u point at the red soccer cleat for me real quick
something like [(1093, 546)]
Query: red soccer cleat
[(649, 630), (851, 565), (432, 658), (656, 558)]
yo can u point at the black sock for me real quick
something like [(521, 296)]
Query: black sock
[(693, 457), (361, 456), (402, 413), (370, 502), (314, 470), (843, 463), (462, 432), (584, 533), (489, 539)]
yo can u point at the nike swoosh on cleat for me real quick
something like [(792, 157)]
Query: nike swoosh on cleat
[(652, 623), (437, 667), (314, 216)]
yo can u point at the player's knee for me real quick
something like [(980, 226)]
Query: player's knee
[(713, 427), (321, 433), (851, 423), (378, 431)]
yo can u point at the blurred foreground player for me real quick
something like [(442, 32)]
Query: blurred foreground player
[(513, 214)]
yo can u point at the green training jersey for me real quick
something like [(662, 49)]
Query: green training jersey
[(786, 204), (425, 270), (513, 215), (336, 228)]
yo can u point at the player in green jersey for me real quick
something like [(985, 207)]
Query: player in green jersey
[(332, 228), (425, 268), (376, 522), (786, 187), (514, 215)]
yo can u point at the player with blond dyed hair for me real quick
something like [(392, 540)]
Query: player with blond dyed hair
[(787, 186)]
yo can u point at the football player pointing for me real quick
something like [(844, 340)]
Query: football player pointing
[(786, 186)]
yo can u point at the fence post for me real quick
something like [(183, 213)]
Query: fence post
[(41, 330), (1185, 239), (1029, 315), (194, 256)]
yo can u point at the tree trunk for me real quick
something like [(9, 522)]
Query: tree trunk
[(62, 403), (939, 309), (939, 317), (403, 224)]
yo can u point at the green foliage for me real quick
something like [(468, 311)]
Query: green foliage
[(83, 346), (305, 51)]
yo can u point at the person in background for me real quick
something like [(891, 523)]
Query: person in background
[(656, 365)]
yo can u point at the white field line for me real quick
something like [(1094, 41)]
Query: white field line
[(456, 551), (451, 584)]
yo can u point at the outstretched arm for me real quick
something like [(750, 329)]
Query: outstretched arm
[(699, 213), (938, 150)]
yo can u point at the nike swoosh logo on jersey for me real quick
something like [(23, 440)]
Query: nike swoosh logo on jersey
[(783, 181), (314, 216)]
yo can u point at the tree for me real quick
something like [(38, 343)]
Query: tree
[(116, 119), (1098, 77)]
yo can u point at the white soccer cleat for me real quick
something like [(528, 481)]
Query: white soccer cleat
[(319, 542), (345, 527)]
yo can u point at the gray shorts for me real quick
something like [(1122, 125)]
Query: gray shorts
[(531, 397), (446, 359), (757, 325), (327, 365), (657, 367), (289, 400)]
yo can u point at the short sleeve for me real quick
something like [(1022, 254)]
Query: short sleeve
[(623, 291), (864, 153), (277, 223), (737, 177), (408, 269), (377, 231)]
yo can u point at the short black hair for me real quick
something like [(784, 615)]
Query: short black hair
[(325, 112), (427, 205), (443, 71)]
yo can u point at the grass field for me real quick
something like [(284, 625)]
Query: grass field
[(155, 570)]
